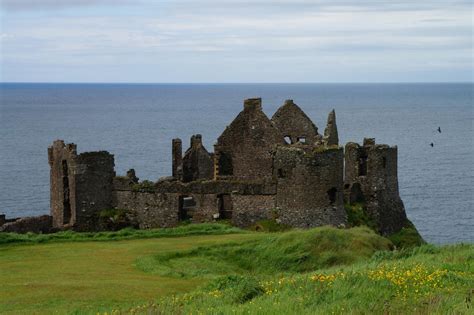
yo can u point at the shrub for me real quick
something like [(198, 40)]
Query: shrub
[(145, 186)]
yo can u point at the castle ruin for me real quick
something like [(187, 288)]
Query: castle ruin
[(279, 169)]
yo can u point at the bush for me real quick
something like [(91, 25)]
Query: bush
[(145, 186), (407, 237), (357, 216)]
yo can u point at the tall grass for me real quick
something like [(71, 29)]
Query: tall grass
[(424, 280), (294, 251)]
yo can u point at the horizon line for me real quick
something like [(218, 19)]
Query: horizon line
[(224, 83)]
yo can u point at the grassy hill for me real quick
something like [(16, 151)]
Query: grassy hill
[(216, 269)]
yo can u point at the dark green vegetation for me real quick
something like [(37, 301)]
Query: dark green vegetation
[(407, 237), (318, 271), (357, 216), (144, 186)]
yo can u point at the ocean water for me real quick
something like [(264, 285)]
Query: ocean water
[(136, 123)]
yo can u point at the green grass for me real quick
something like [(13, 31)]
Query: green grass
[(318, 271), (422, 280), (125, 234), (290, 252), (86, 277)]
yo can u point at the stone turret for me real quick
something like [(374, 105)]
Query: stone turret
[(371, 177), (330, 133)]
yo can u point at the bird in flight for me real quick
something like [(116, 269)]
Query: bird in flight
[(439, 129)]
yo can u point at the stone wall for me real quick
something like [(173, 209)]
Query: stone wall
[(373, 168), (151, 210), (62, 161), (310, 186), (206, 208), (40, 224), (177, 158), (243, 151), (249, 209), (94, 174), (197, 162), (81, 186), (294, 124), (160, 205)]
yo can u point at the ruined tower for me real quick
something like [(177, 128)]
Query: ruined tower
[(81, 186), (309, 185), (371, 177)]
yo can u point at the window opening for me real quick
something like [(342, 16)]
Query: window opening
[(332, 195), (186, 205), (66, 194), (225, 206)]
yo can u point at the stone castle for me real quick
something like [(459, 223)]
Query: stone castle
[(279, 169)]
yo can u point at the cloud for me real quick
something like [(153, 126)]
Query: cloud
[(32, 5), (183, 38)]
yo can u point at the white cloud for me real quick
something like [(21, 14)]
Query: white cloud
[(377, 35)]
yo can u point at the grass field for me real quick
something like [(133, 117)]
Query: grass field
[(90, 276), (192, 270)]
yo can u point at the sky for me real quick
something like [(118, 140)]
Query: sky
[(227, 41)]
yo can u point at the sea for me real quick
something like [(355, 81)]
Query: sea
[(136, 123)]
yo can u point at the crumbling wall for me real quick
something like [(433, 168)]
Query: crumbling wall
[(249, 209), (294, 125), (331, 136), (40, 224), (310, 186), (94, 174), (177, 158), (62, 161), (373, 167), (151, 210), (243, 151), (81, 186), (197, 162)]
